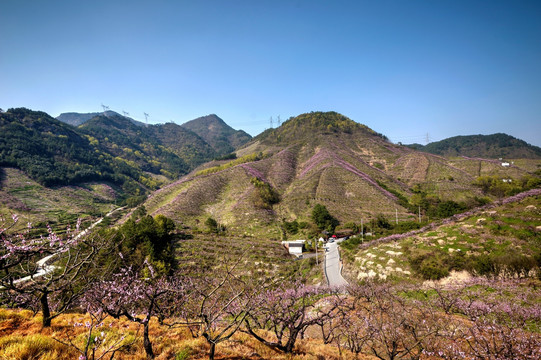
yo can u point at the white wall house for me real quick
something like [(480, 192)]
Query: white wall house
[(294, 247)]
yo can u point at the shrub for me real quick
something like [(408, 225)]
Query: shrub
[(429, 265), (212, 225), (432, 269), (291, 227), (266, 193), (323, 219)]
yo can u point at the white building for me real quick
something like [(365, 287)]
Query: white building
[(294, 247)]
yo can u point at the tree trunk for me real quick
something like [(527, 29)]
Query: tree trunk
[(45, 310), (212, 351), (146, 342), (288, 348)]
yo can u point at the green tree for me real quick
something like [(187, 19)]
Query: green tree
[(148, 239), (323, 219)]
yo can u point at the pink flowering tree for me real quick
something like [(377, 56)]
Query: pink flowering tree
[(287, 312), (131, 295), (487, 320), (381, 320), (218, 306), (501, 314)]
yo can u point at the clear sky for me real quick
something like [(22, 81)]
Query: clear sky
[(405, 68)]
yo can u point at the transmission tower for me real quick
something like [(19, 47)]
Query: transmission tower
[(146, 118), (125, 113), (271, 122), (105, 107), (279, 121), (427, 138)]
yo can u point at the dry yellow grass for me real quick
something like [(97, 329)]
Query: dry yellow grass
[(23, 338)]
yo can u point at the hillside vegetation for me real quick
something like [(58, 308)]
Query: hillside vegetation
[(494, 240), (105, 147)]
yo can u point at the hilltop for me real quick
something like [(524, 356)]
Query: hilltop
[(482, 146), (217, 133)]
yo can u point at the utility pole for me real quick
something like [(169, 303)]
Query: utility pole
[(396, 215), (362, 230), (316, 243), (419, 214)]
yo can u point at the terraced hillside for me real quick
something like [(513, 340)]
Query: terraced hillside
[(495, 240), (59, 207)]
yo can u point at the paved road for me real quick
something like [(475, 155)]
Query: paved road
[(332, 266)]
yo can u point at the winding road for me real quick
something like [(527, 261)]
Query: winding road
[(333, 266), (44, 268)]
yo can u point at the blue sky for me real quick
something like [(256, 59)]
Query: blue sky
[(404, 68)]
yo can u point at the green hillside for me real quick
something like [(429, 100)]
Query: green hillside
[(482, 146), (136, 145), (77, 119), (54, 153), (503, 238)]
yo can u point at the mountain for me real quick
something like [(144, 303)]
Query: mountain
[(196, 141), (107, 147), (49, 151), (319, 158), (54, 172), (223, 138), (77, 119), (482, 146)]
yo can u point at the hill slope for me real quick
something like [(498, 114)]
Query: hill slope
[(484, 146)]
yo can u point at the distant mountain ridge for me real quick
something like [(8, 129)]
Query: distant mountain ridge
[(211, 131), (76, 119), (279, 175), (105, 147), (485, 146)]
